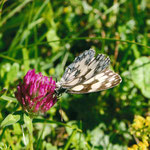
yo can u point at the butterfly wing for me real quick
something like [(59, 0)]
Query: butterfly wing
[(75, 68), (89, 74), (102, 81), (84, 67)]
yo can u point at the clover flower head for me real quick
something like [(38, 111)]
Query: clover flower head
[(36, 93)]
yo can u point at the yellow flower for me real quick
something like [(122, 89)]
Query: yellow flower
[(140, 118), (145, 142), (140, 129), (134, 147), (147, 121), (144, 137), (137, 125), (138, 122), (142, 146), (138, 134)]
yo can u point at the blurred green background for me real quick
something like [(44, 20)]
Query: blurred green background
[(47, 35)]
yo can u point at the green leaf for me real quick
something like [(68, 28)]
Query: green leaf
[(10, 119), (25, 59), (7, 98), (17, 129), (51, 34), (50, 146), (70, 139), (12, 74), (140, 74), (98, 137), (28, 122)]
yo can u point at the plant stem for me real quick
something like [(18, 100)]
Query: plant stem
[(70, 140), (30, 134), (31, 141), (28, 122)]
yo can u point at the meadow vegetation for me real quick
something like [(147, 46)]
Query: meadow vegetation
[(47, 36)]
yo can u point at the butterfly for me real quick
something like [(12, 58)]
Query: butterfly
[(88, 74)]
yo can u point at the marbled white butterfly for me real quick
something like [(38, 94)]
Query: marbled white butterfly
[(88, 74)]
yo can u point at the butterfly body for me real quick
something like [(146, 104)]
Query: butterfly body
[(88, 74)]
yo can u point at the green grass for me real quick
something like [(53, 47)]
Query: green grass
[(48, 35)]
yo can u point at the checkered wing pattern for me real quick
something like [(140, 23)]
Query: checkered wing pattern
[(88, 74)]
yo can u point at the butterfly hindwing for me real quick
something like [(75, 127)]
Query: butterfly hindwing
[(102, 81)]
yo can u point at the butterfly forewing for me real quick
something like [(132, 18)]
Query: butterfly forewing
[(84, 69), (75, 68)]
